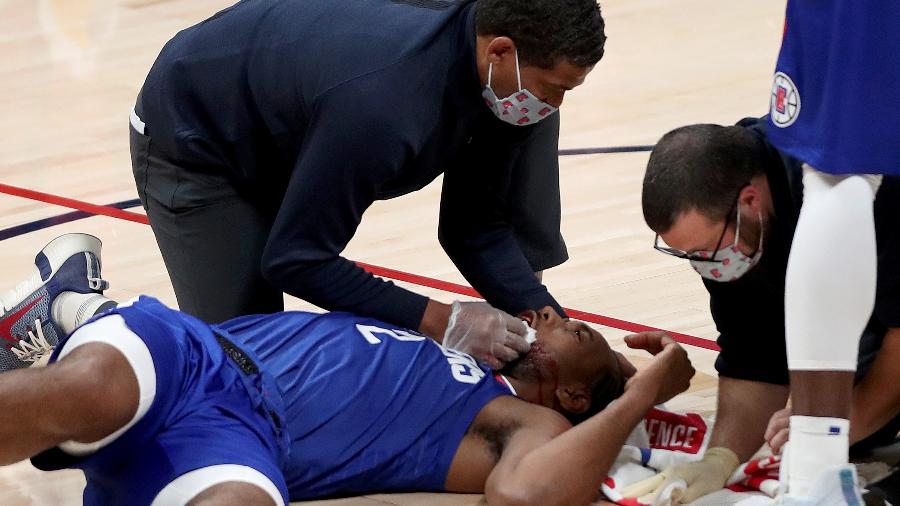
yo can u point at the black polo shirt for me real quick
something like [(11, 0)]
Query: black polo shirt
[(749, 312)]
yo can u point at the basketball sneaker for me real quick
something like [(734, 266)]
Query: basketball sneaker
[(836, 486), (71, 262)]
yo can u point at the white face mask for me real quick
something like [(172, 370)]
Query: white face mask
[(730, 263), (521, 108)]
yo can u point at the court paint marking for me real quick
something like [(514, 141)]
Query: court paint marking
[(117, 211)]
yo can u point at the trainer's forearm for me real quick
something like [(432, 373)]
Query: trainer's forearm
[(569, 469), (434, 321), (743, 413)]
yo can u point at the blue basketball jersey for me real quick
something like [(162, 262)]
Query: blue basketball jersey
[(835, 100), (322, 404), (369, 406)]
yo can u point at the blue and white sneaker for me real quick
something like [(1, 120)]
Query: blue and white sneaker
[(835, 486), (69, 263)]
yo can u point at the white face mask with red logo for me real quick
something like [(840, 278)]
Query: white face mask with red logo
[(730, 263), (521, 108)]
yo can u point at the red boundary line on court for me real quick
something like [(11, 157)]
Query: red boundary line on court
[(112, 212), (374, 269)]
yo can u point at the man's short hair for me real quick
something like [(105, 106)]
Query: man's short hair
[(546, 31), (699, 167)]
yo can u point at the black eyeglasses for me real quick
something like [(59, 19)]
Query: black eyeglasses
[(703, 256)]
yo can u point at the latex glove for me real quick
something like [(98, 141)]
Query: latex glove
[(684, 483), (779, 429), (491, 336)]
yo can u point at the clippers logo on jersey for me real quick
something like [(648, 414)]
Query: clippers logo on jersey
[(785, 103)]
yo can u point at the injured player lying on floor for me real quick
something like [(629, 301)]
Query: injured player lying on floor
[(159, 408)]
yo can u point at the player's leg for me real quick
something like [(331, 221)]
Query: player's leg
[(186, 448), (238, 464), (211, 238), (222, 485), (829, 297), (70, 262), (232, 494), (86, 396), (199, 432)]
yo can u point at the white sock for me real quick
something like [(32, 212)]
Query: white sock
[(71, 309), (817, 443)]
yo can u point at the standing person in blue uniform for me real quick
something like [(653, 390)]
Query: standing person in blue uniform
[(724, 198), (262, 135), (835, 105), (159, 408)]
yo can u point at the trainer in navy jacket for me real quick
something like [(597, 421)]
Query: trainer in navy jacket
[(276, 124)]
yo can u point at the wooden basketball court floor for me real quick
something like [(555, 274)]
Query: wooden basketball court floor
[(70, 69)]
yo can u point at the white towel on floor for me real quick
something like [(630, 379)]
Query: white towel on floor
[(665, 438)]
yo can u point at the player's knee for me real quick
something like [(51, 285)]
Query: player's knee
[(97, 391), (232, 493)]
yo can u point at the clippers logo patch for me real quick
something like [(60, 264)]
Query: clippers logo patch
[(785, 102)]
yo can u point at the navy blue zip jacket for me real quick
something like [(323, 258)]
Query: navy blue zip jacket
[(325, 106)]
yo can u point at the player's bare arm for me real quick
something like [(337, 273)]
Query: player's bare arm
[(541, 459)]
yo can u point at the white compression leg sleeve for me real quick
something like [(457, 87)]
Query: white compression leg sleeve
[(829, 297), (831, 274)]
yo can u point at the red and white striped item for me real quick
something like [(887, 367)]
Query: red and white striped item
[(666, 438)]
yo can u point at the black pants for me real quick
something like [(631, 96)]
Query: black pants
[(211, 237)]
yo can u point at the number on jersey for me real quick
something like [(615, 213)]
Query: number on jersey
[(463, 367)]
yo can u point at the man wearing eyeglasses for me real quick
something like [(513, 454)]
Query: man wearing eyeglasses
[(726, 200)]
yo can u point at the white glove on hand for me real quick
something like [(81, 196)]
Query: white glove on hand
[(488, 334), (685, 483)]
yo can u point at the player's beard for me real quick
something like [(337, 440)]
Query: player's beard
[(535, 365), (516, 368)]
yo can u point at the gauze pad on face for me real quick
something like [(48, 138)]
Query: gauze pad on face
[(530, 334)]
